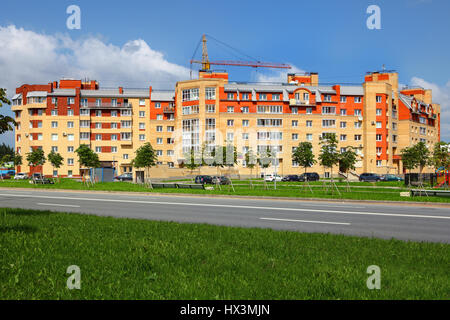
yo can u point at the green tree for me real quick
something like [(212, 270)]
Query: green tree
[(329, 155), (17, 159), (5, 149), (56, 160), (193, 160), (347, 161), (409, 160), (87, 158), (304, 155), (250, 161), (145, 158), (440, 157), (422, 155), (36, 158), (6, 123)]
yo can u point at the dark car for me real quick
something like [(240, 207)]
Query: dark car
[(204, 179), (38, 178), (291, 177), (391, 177), (124, 177), (309, 176), (221, 180), (369, 177), (5, 176)]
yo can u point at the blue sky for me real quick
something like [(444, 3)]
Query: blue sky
[(329, 37)]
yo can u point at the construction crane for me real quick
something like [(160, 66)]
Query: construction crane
[(206, 64)]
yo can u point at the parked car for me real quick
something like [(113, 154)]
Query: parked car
[(391, 177), (369, 177), (5, 176), (272, 177), (309, 176), (204, 179), (291, 177), (220, 180), (128, 176), (38, 178), (20, 176)]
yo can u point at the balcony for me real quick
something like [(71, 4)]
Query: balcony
[(295, 102), (106, 105), (169, 109)]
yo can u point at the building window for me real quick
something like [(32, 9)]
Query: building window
[(125, 124), (230, 109), (357, 99), (379, 112), (295, 136), (270, 109), (157, 105), (230, 136), (159, 140), (275, 97), (379, 150), (70, 100), (190, 94), (245, 136), (69, 124), (358, 137), (245, 96), (230, 96), (327, 123), (379, 137), (98, 137), (170, 128), (54, 112), (294, 110), (54, 124), (343, 99), (98, 125), (230, 123), (70, 112), (113, 149), (378, 125), (245, 123), (113, 125), (70, 161), (142, 137), (70, 137), (210, 93), (54, 148), (210, 108), (343, 112), (378, 99), (141, 125), (379, 163), (159, 117), (328, 110), (262, 96), (98, 102), (125, 156), (244, 109), (358, 124), (270, 122), (98, 113), (142, 102), (98, 149), (84, 112), (343, 124), (309, 136), (70, 149), (125, 136), (84, 135), (358, 112), (327, 98), (114, 137), (141, 114), (125, 113), (308, 110), (343, 137), (159, 152), (159, 128), (309, 123), (54, 137)]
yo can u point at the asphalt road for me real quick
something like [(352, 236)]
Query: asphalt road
[(403, 221)]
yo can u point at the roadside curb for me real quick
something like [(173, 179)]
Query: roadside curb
[(329, 200)]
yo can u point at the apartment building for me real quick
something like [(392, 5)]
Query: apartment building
[(377, 118)]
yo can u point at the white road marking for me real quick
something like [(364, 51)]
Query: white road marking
[(307, 221), (58, 205), (231, 206)]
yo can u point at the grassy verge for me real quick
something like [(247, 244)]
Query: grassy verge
[(284, 189), (138, 259)]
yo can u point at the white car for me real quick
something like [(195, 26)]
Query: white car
[(20, 176), (272, 177)]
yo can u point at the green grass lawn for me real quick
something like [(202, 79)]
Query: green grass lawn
[(139, 259), (359, 191)]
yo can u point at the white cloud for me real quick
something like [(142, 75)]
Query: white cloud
[(30, 57), (441, 95), (277, 76)]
